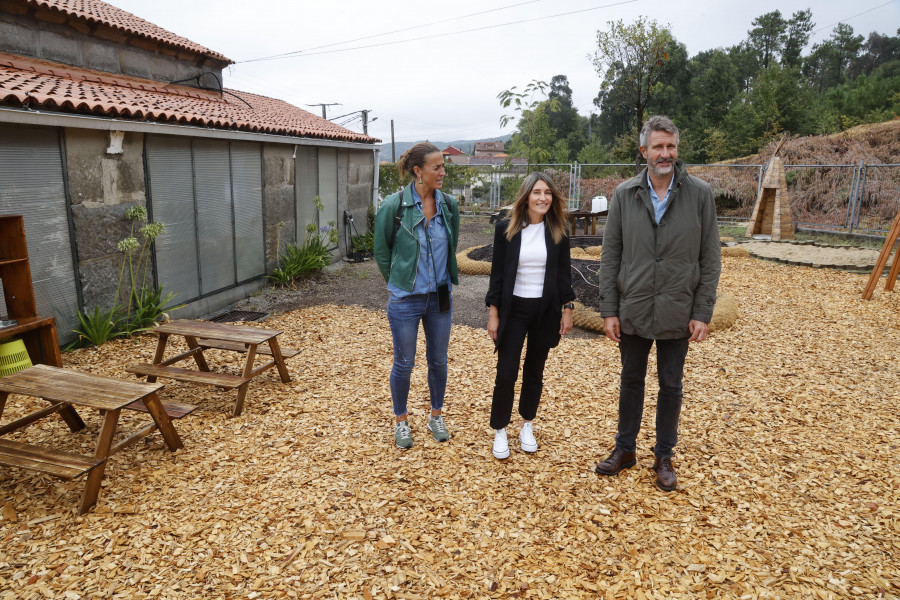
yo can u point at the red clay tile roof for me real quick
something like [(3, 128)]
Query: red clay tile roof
[(55, 87), (95, 11)]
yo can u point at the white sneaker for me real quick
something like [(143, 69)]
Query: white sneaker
[(526, 437), (501, 447)]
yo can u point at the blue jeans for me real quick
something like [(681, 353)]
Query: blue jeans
[(404, 315), (670, 356)]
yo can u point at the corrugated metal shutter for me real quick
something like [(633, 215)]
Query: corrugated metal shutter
[(172, 199), (246, 177), (328, 186), (31, 184), (215, 219), (307, 186)]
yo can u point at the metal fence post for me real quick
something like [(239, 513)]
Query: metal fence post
[(849, 220), (855, 198), (860, 191)]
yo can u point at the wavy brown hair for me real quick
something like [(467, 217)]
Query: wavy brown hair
[(555, 219), (415, 157)]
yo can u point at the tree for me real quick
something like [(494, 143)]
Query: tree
[(565, 121), (768, 36), (799, 29), (878, 50), (846, 48), (629, 59), (715, 81), (534, 138)]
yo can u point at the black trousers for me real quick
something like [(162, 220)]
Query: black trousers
[(523, 321), (670, 358)]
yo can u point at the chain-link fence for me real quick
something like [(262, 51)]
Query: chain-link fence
[(878, 201), (842, 198)]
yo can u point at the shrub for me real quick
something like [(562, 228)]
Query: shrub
[(310, 257), (146, 302)]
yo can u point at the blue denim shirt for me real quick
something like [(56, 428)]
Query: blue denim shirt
[(660, 207), (434, 250)]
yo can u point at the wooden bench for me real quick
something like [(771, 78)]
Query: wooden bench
[(64, 465), (239, 347), (64, 387), (202, 335), (226, 382)]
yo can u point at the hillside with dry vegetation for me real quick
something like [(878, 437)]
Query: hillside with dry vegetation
[(822, 173)]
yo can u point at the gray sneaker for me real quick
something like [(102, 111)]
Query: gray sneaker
[(438, 429), (402, 435)]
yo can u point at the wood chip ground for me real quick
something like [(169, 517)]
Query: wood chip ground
[(787, 462)]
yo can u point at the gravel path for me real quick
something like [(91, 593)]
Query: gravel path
[(817, 255)]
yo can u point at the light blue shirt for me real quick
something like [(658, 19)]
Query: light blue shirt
[(660, 206), (434, 251)]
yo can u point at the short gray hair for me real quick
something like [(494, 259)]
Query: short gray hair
[(657, 123)]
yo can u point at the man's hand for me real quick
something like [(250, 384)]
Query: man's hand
[(699, 331), (611, 328)]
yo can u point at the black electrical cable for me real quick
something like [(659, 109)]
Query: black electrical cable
[(220, 89), (302, 54), (295, 52)]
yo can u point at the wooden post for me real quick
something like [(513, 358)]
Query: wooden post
[(889, 244)]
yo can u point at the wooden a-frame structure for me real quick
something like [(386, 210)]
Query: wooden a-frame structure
[(881, 263), (772, 211)]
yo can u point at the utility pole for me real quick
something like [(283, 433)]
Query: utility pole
[(393, 154), (323, 105), (365, 120)]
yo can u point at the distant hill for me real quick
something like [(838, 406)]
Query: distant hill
[(467, 146)]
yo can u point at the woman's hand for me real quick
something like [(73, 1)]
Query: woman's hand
[(565, 324), (493, 322)]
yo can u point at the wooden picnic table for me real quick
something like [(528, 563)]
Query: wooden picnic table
[(202, 335), (589, 218), (64, 388)]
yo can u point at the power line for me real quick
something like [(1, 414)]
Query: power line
[(854, 16), (438, 35), (295, 52)]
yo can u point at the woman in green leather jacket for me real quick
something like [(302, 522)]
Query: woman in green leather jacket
[(416, 231)]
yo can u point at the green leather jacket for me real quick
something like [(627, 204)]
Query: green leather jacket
[(398, 262)]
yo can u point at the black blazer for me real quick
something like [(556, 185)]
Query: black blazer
[(557, 282)]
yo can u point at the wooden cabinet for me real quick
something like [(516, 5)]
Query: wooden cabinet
[(38, 333)]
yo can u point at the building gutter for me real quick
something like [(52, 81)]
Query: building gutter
[(20, 116)]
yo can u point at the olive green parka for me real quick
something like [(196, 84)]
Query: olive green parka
[(656, 278)]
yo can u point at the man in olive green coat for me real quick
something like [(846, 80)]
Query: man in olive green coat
[(659, 272)]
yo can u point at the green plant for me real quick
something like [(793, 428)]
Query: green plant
[(310, 257), (145, 303), (364, 243), (97, 327)]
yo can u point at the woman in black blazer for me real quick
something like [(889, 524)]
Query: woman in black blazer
[(531, 295)]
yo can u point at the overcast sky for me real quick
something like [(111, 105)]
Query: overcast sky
[(443, 85)]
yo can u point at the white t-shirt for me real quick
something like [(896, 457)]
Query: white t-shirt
[(532, 263)]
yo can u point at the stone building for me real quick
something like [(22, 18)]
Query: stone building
[(101, 111)]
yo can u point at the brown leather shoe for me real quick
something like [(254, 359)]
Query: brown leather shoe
[(617, 461), (666, 480)]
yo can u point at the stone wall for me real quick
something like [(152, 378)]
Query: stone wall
[(278, 200), (102, 187), (360, 179)]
